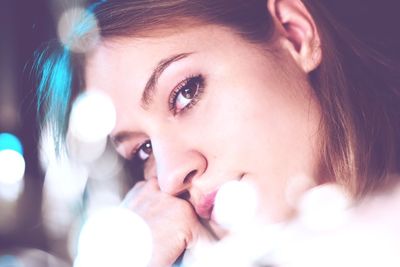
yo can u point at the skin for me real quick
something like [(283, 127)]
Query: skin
[(256, 121)]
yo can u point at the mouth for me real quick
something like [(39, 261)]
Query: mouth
[(206, 206)]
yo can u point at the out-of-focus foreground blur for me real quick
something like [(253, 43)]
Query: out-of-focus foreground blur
[(43, 202)]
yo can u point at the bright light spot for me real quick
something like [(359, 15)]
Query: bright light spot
[(235, 205), (93, 117), (324, 207), (78, 30), (12, 164), (12, 167), (10, 141), (114, 237)]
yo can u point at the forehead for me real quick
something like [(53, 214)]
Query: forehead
[(144, 53), (137, 56)]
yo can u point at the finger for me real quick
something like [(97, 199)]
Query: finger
[(152, 183), (141, 190), (126, 202)]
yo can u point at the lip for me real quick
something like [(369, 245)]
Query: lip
[(206, 205)]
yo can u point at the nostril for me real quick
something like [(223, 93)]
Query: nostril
[(189, 177), (185, 195)]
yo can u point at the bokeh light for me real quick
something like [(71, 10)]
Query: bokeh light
[(235, 205), (114, 237), (12, 162), (77, 30), (10, 141), (93, 117), (324, 207), (12, 167)]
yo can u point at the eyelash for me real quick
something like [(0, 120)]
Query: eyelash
[(199, 82)]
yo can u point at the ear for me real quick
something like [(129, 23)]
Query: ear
[(297, 30)]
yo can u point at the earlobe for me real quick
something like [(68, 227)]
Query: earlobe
[(298, 32)]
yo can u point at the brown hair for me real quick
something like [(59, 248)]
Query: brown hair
[(357, 91)]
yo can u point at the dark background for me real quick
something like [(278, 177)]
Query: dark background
[(25, 25)]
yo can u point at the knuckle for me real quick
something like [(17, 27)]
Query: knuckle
[(184, 206)]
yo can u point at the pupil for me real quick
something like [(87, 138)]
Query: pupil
[(190, 90), (147, 148)]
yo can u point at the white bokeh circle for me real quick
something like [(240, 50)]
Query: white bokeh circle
[(93, 117), (114, 237), (12, 166), (235, 205)]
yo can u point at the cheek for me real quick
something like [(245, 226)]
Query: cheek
[(265, 129), (239, 120)]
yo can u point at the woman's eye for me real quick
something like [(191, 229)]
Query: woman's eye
[(186, 93), (144, 151)]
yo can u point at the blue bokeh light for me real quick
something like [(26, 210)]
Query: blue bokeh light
[(10, 141)]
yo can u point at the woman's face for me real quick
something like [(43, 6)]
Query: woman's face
[(201, 106)]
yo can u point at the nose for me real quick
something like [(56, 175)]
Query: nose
[(177, 167)]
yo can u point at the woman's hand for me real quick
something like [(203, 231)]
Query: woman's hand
[(173, 221)]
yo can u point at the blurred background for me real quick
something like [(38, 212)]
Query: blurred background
[(42, 208), (43, 202)]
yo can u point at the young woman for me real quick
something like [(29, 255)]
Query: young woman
[(207, 92)]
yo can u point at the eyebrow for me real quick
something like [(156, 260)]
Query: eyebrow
[(148, 92), (149, 89)]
